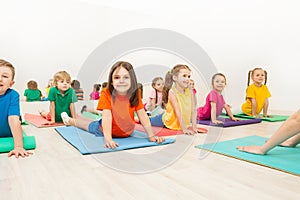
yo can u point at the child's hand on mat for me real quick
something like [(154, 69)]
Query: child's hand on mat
[(188, 131), (50, 123), (19, 151), (234, 119), (216, 121), (268, 116), (110, 144), (195, 129), (156, 139)]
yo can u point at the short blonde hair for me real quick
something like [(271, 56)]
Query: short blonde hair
[(4, 63), (61, 75)]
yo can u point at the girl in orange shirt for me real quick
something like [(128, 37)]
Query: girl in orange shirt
[(118, 102)]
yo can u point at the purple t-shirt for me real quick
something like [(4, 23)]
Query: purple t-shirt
[(205, 111)]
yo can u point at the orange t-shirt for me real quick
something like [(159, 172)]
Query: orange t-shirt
[(122, 113)]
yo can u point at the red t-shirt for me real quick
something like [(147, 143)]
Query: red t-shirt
[(122, 114)]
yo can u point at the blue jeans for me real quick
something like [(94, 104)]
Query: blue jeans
[(94, 128), (157, 121)]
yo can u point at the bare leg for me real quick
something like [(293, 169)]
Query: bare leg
[(290, 128), (292, 142), (79, 122), (97, 112)]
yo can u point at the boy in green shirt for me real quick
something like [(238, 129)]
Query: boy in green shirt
[(62, 98)]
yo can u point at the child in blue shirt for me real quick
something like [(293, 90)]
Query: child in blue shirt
[(10, 113)]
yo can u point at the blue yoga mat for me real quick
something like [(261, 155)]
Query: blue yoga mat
[(280, 158), (87, 143)]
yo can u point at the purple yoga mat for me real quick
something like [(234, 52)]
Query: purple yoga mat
[(228, 122)]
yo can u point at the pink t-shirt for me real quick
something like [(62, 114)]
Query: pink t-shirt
[(95, 95), (205, 111), (153, 96)]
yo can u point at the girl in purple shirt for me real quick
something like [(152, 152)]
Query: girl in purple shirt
[(215, 101)]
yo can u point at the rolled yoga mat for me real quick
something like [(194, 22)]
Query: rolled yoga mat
[(7, 143)]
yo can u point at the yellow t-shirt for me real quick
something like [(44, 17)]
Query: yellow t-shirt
[(185, 103), (260, 94)]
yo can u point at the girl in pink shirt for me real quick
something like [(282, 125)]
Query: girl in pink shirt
[(215, 101), (95, 94)]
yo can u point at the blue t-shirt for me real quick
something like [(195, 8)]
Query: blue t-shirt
[(10, 105)]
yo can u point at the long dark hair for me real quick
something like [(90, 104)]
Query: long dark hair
[(133, 90), (153, 85)]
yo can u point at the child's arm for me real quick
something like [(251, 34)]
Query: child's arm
[(194, 111), (253, 106), (52, 112), (174, 103), (213, 113), (265, 109), (72, 110), (16, 129), (144, 119), (152, 104), (107, 129), (229, 113)]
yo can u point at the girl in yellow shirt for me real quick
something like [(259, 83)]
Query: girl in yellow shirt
[(179, 101), (257, 94)]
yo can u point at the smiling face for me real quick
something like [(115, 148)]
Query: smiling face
[(6, 79), (121, 81), (258, 77), (159, 85), (182, 79), (219, 83)]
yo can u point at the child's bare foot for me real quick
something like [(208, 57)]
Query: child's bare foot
[(251, 149), (288, 143)]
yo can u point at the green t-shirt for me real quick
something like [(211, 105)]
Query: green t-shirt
[(62, 102), (32, 95)]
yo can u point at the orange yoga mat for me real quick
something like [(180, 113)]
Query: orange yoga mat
[(39, 121)]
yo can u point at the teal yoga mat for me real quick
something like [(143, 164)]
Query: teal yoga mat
[(92, 116), (281, 158), (87, 143), (7, 143), (273, 118)]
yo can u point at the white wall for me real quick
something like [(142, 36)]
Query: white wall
[(42, 37)]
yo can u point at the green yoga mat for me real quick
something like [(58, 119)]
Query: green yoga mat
[(24, 123), (90, 115), (281, 158), (7, 143), (273, 118)]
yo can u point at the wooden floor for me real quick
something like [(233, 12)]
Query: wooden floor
[(56, 170)]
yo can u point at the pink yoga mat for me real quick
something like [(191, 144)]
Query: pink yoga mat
[(39, 121), (160, 131)]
